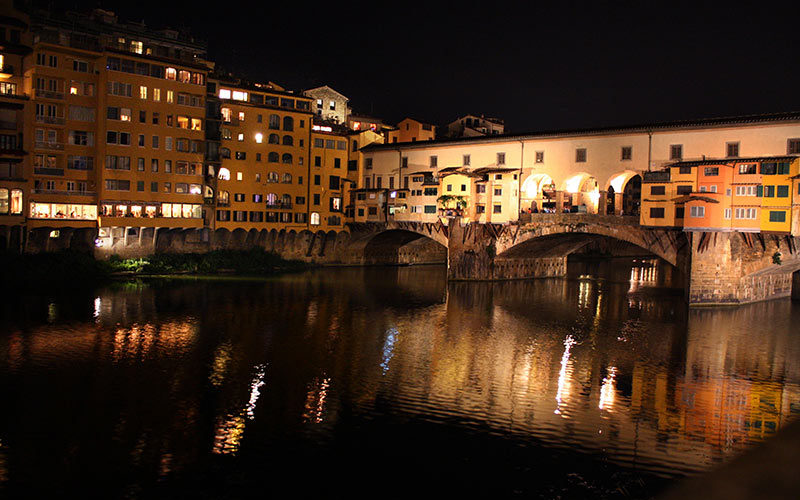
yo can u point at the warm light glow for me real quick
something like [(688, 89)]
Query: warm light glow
[(564, 374), (607, 389), (259, 138), (573, 184), (617, 182)]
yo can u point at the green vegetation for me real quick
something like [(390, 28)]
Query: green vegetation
[(227, 261), (69, 268), (449, 201)]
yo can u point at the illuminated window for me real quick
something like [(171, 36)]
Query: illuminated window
[(314, 218), (238, 176), (241, 116), (184, 76), (224, 94), (239, 96), (136, 47), (224, 174), (259, 138), (156, 95), (240, 137), (170, 96)]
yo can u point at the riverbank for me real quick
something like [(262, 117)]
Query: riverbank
[(70, 269)]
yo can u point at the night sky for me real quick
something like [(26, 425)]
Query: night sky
[(538, 65)]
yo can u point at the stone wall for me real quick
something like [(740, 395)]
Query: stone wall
[(796, 285), (737, 268)]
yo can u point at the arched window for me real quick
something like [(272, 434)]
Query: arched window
[(272, 199), (224, 198), (274, 122), (224, 174), (273, 157), (272, 177), (287, 178), (274, 139), (286, 158), (3, 201), (288, 123), (286, 200), (225, 152), (314, 218), (208, 192), (288, 140)]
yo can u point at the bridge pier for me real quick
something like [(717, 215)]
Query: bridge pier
[(739, 268)]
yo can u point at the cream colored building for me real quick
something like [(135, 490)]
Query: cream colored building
[(592, 170)]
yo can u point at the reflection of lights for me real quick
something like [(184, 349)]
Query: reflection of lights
[(255, 385), (564, 373), (97, 304), (228, 435), (315, 400), (607, 389), (218, 368), (388, 348), (584, 290)]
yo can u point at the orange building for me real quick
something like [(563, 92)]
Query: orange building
[(14, 47), (261, 178), (411, 130), (329, 186)]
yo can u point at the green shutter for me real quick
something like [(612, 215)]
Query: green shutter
[(783, 168), (760, 191)]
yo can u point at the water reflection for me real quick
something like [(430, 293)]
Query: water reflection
[(164, 375)]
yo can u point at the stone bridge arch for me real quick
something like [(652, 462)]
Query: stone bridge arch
[(564, 234), (397, 243)]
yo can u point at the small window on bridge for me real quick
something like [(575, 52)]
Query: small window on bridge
[(658, 190), (657, 212)]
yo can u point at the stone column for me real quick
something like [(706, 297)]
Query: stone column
[(796, 286), (618, 208), (559, 201), (602, 203)]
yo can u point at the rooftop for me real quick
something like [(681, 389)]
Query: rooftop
[(791, 116)]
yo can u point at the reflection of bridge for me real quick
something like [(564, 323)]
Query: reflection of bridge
[(719, 267)]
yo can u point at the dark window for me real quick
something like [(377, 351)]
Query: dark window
[(580, 155), (684, 189), (769, 168), (317, 161), (711, 171), (317, 180), (676, 151), (769, 191), (783, 191), (793, 146), (732, 149), (777, 216), (658, 190), (679, 212), (627, 152), (685, 170), (783, 168), (316, 199), (333, 182), (657, 212)]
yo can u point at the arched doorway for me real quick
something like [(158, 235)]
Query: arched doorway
[(624, 193), (581, 194), (632, 196), (537, 191)]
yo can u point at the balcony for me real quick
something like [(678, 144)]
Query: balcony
[(662, 176), (63, 193), (48, 171), (280, 205), (52, 120), (7, 71), (58, 146), (48, 94)]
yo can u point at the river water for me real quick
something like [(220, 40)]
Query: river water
[(350, 383)]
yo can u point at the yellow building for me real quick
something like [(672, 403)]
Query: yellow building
[(262, 179), (776, 193)]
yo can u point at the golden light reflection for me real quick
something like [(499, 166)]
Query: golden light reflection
[(138, 340), (315, 400), (584, 292), (230, 429), (222, 358), (607, 389), (564, 375)]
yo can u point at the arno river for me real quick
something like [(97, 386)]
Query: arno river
[(378, 382)]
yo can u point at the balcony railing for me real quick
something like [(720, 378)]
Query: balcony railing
[(48, 171), (49, 145), (279, 205), (53, 120), (49, 94), (63, 193)]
